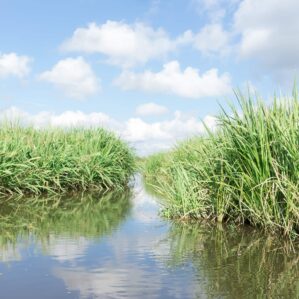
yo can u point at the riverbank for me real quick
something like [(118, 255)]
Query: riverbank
[(59, 161), (246, 171)]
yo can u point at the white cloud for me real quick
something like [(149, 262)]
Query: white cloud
[(137, 130), (67, 119), (124, 44), (269, 32), (80, 119), (212, 39), (265, 32), (74, 76), (179, 127), (150, 109), (171, 79), (146, 137), (150, 137), (12, 64), (215, 10)]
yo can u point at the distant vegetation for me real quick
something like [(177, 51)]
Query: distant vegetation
[(247, 171), (58, 161)]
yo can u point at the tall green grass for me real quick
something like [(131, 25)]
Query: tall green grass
[(247, 171), (58, 161)]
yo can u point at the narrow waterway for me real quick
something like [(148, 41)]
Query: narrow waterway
[(119, 247)]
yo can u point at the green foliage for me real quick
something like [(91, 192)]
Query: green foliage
[(247, 171), (57, 161)]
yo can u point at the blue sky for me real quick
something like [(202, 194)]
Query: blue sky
[(150, 70)]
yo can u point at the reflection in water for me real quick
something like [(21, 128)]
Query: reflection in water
[(9, 253), (112, 282), (236, 262), (134, 265), (118, 247), (62, 226), (66, 249)]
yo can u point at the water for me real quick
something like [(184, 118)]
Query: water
[(118, 247)]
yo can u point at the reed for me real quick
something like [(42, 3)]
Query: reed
[(247, 171), (58, 161)]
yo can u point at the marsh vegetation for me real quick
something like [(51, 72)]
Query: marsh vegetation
[(59, 219), (59, 161), (246, 171)]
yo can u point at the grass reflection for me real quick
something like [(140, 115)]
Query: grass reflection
[(88, 215), (236, 262)]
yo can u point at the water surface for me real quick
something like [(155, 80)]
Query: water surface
[(116, 246)]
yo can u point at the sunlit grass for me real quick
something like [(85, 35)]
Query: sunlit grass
[(247, 171), (57, 161)]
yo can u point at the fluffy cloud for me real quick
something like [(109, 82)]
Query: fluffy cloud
[(167, 131), (171, 79), (74, 76), (12, 64), (212, 39), (151, 109), (146, 137), (67, 119), (124, 44), (269, 32)]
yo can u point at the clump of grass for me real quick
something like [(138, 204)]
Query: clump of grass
[(247, 171), (58, 161)]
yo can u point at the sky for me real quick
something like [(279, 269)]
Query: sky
[(151, 70)]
